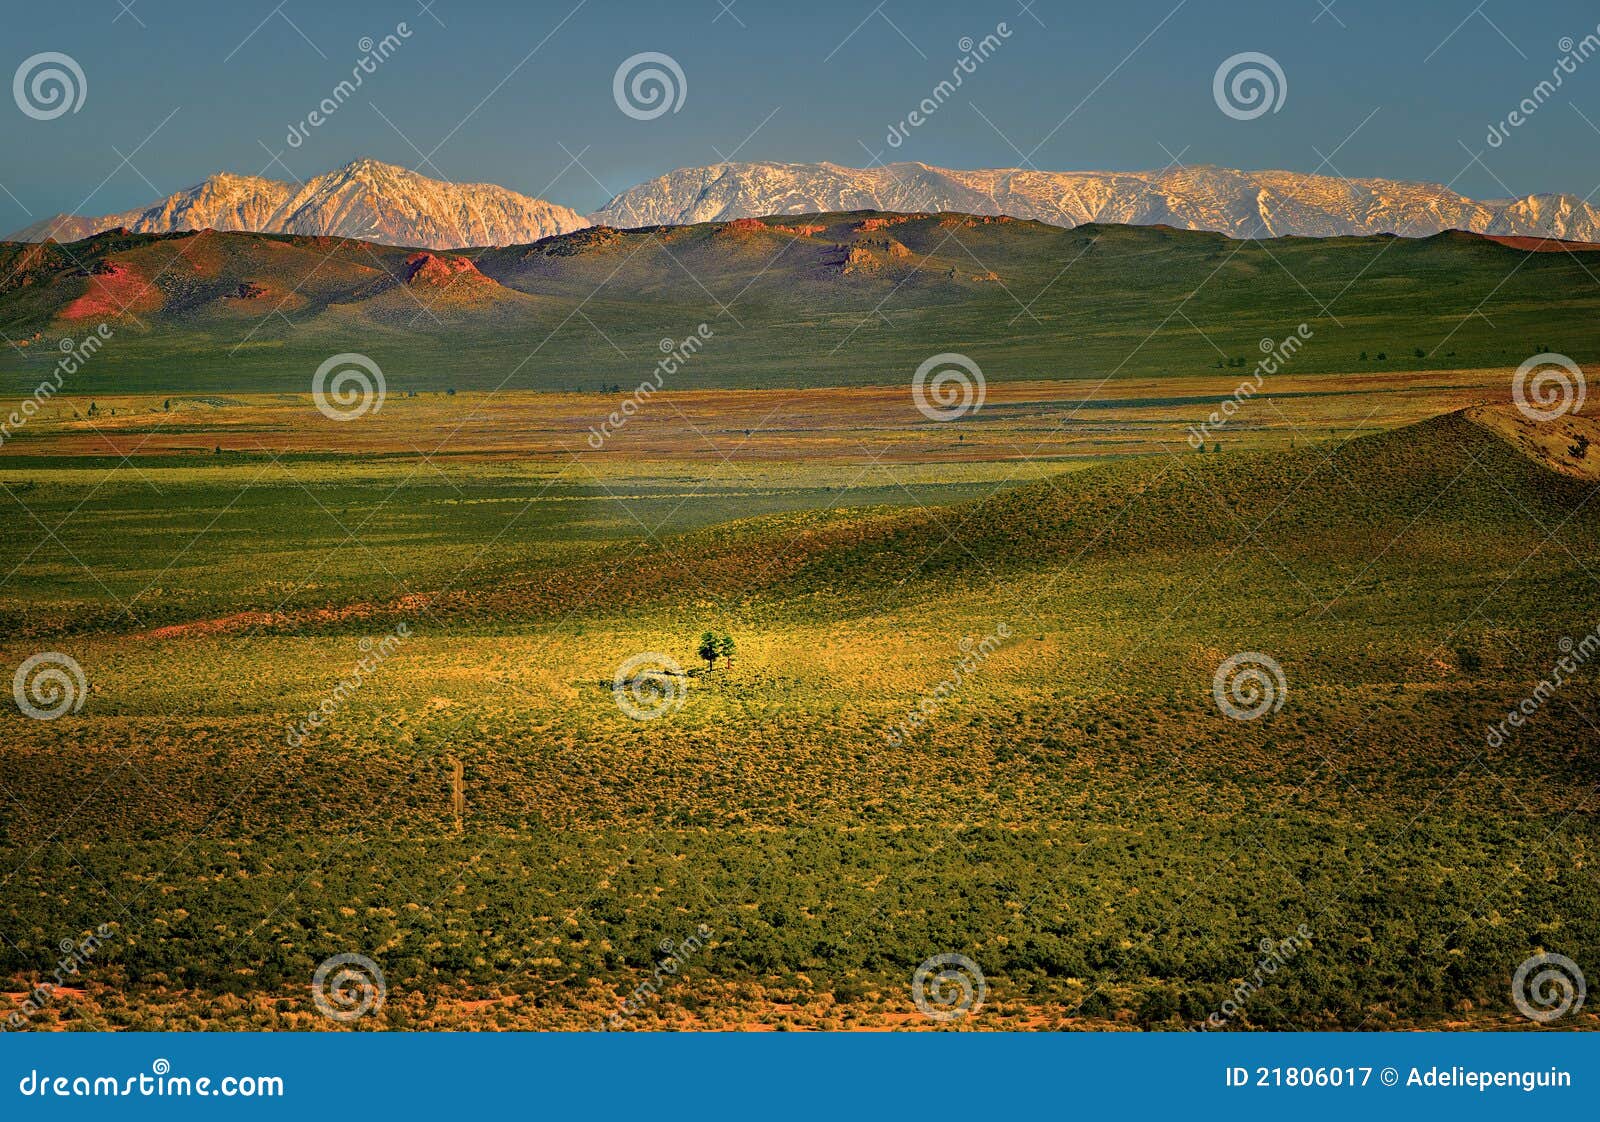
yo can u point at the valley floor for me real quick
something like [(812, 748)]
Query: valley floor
[(973, 709)]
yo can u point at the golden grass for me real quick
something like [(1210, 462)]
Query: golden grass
[(1019, 421)]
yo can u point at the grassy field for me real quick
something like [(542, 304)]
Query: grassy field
[(810, 430), (1077, 816)]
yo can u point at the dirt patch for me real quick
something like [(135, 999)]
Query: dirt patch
[(114, 289), (1541, 245), (1569, 444)]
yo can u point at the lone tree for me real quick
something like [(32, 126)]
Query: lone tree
[(714, 646)]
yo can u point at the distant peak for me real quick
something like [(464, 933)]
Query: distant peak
[(1236, 202), (367, 163), (366, 198), (231, 179)]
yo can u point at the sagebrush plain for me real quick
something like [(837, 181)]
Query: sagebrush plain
[(1078, 817)]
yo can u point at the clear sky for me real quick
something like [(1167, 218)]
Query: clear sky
[(521, 94)]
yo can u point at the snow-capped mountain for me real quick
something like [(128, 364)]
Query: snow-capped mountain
[(384, 203), (365, 199), (1239, 203)]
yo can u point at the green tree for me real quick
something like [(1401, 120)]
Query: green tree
[(726, 646), (708, 650)]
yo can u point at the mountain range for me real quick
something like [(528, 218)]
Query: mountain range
[(365, 199), (1241, 204), (388, 204)]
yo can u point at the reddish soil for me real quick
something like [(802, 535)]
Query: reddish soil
[(117, 289), (742, 226), (434, 270), (1541, 245)]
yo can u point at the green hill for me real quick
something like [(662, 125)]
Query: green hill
[(807, 300), (1316, 520)]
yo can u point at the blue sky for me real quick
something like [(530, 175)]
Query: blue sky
[(521, 94)]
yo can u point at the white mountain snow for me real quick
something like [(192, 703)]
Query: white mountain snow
[(366, 199), (383, 203), (1239, 203)]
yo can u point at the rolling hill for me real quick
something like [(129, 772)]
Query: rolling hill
[(831, 299), (1321, 512)]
